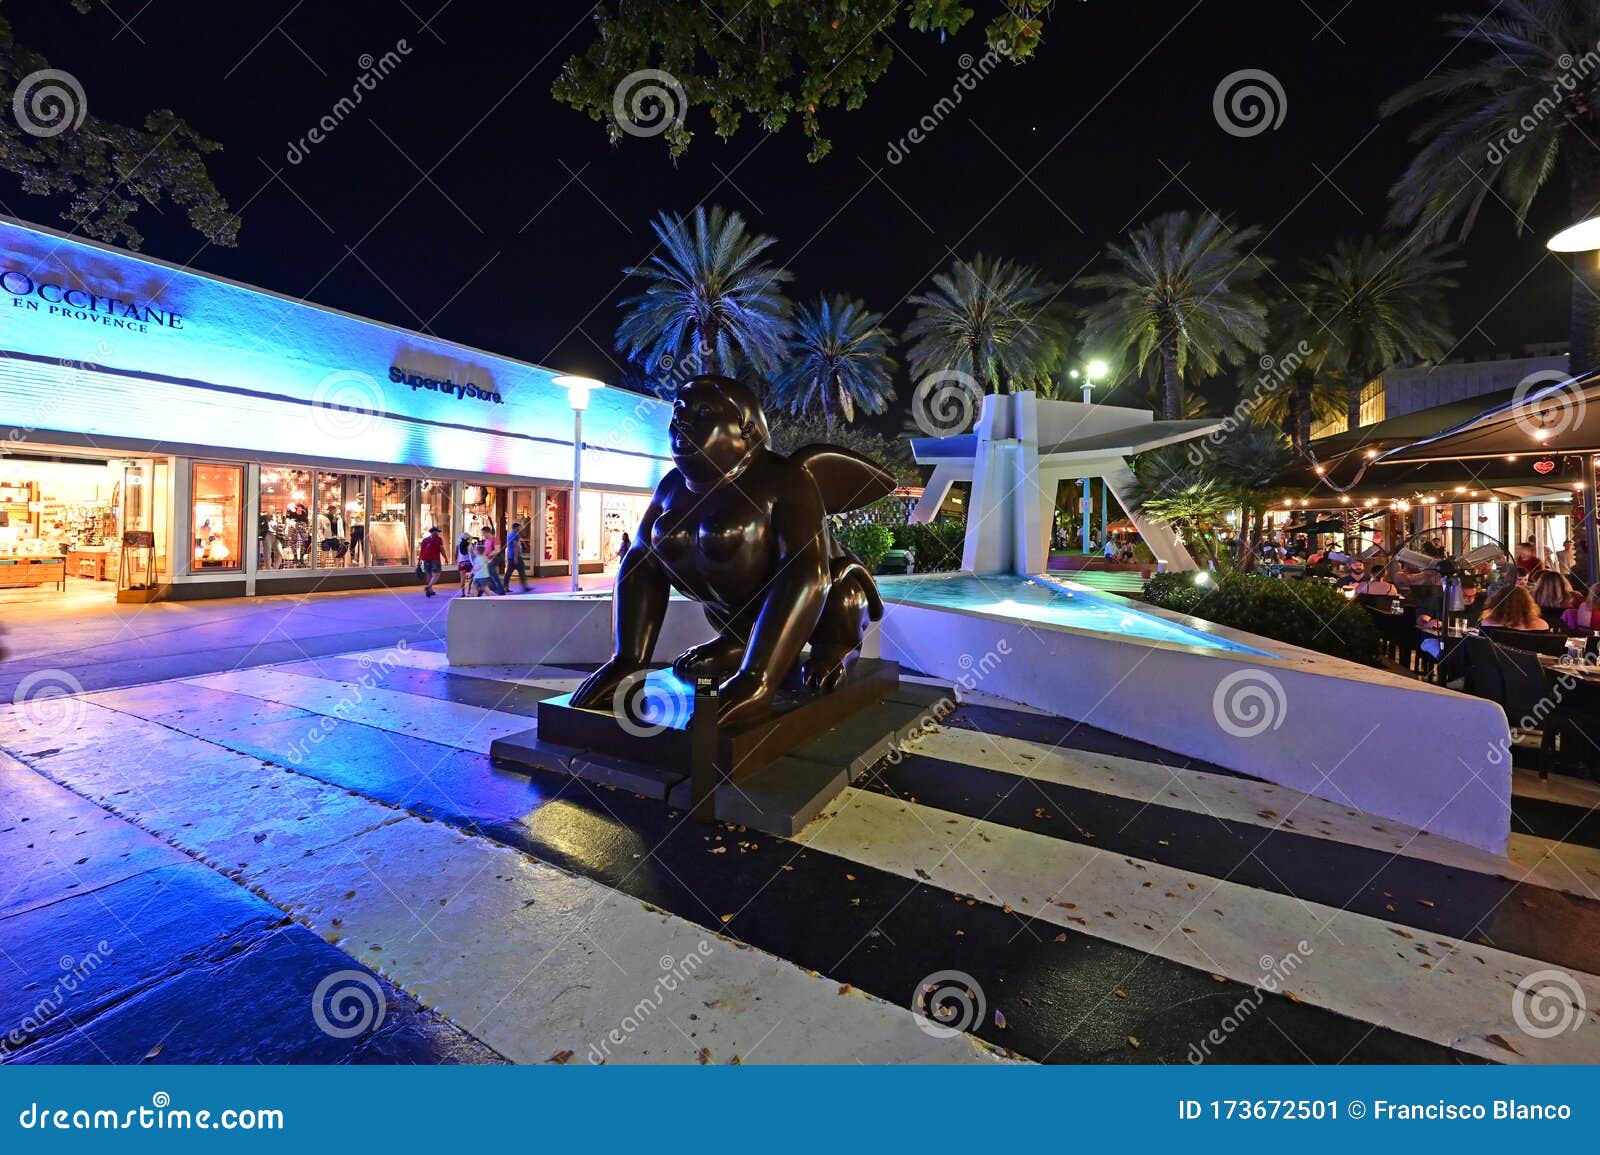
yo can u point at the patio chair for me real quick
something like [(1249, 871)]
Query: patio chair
[(1529, 641), (1514, 678)]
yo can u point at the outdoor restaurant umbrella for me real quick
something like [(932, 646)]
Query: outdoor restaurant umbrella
[(1560, 418)]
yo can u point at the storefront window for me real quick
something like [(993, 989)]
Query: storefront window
[(283, 520), (620, 514), (589, 536), (435, 508), (553, 533), (519, 511), (480, 505), (218, 493), (339, 521), (389, 528)]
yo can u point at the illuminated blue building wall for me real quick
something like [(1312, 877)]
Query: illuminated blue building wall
[(122, 352)]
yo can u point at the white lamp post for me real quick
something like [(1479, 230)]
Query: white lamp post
[(578, 390), (1584, 237), (1094, 369)]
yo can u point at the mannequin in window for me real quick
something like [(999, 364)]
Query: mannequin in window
[(329, 535), (358, 540), (299, 519)]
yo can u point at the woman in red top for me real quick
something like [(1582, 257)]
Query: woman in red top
[(430, 555)]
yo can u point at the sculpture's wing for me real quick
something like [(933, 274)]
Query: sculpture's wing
[(846, 480)]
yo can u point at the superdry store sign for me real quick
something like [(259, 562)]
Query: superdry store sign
[(72, 303)]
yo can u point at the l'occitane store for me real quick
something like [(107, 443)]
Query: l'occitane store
[(165, 433)]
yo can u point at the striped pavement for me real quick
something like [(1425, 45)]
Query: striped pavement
[(1058, 893)]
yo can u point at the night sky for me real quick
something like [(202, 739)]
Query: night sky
[(515, 239)]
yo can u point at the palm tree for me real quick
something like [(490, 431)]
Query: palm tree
[(1181, 292), (1378, 304), (1502, 124), (711, 298), (1295, 392), (1188, 495), (838, 359), (987, 317), (1250, 458)]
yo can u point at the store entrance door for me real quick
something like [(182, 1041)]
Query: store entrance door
[(62, 520)]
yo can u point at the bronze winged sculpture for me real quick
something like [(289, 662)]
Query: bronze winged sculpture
[(744, 531)]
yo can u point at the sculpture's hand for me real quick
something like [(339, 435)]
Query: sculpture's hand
[(745, 697), (596, 691)]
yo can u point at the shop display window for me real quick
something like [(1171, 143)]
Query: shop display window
[(480, 505), (218, 499), (389, 537), (283, 519), (435, 506), (553, 533), (339, 521)]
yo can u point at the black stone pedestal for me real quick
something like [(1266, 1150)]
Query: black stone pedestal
[(788, 769)]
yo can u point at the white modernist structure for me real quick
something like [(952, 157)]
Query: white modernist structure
[(1021, 451)]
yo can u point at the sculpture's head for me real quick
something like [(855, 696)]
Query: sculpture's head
[(717, 428)]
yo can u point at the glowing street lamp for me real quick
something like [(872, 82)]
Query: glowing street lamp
[(578, 390), (1095, 368)]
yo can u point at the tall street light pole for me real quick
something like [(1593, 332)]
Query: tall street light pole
[(1582, 240), (1094, 369), (578, 390)]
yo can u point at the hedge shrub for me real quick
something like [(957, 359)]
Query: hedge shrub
[(868, 542), (936, 545), (1302, 613)]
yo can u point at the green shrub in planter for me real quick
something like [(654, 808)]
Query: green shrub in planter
[(1302, 613), (868, 542), (937, 545)]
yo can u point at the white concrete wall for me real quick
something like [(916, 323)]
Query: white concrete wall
[(555, 629), (1369, 740)]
